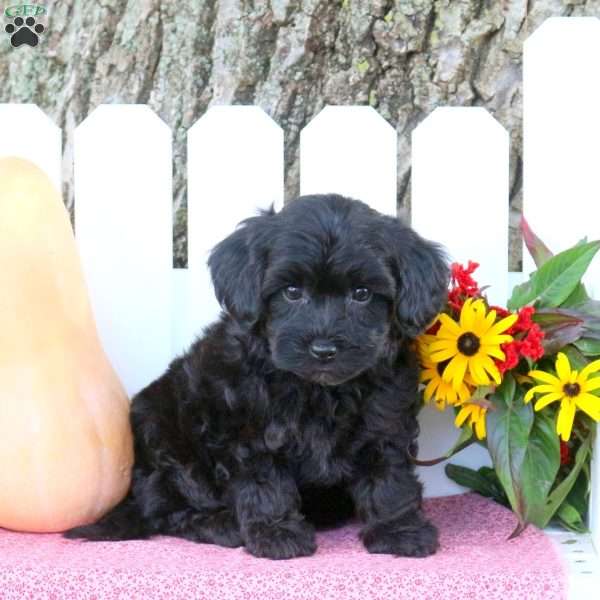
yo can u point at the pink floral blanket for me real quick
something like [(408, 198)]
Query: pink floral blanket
[(475, 561)]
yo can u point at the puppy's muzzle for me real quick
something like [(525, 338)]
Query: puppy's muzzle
[(323, 350)]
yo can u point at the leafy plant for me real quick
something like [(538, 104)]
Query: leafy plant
[(524, 382)]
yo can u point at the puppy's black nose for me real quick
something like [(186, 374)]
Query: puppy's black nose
[(323, 350)]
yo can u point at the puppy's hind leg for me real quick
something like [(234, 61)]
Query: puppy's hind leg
[(123, 522), (199, 515), (219, 527)]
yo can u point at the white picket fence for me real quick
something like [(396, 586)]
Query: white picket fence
[(147, 312)]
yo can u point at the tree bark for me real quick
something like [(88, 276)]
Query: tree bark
[(291, 57)]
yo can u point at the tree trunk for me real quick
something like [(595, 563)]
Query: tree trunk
[(404, 57)]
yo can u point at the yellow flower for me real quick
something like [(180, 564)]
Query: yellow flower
[(423, 343), (475, 413), (571, 388), (469, 344), (441, 391)]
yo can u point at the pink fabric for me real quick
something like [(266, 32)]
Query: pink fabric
[(475, 561)]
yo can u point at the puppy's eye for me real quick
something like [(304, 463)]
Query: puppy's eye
[(361, 294), (292, 293)]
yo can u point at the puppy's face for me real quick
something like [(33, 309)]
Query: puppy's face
[(329, 304), (330, 283)]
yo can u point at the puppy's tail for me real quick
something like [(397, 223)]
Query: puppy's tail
[(123, 522)]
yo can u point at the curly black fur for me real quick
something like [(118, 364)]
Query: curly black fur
[(257, 435)]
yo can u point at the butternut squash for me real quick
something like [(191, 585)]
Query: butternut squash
[(65, 441)]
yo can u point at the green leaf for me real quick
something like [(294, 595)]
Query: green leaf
[(564, 326), (588, 346), (506, 434), (588, 308), (577, 296), (538, 250), (479, 481), (521, 295), (576, 359), (560, 328), (571, 518), (492, 478), (469, 478), (557, 339), (524, 450), (556, 279), (464, 439), (540, 466), (558, 494), (548, 318), (579, 495)]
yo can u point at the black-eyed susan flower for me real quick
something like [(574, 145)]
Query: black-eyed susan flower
[(469, 344), (436, 388), (475, 415), (571, 388)]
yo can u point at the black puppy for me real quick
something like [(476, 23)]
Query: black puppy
[(298, 407)]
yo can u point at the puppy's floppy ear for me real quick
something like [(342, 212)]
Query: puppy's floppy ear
[(237, 266), (422, 275)]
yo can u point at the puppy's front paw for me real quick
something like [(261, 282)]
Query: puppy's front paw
[(281, 540), (401, 539)]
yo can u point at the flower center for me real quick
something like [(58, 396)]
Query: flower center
[(468, 344), (442, 366), (571, 389)]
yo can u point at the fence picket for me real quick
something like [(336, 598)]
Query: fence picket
[(28, 133), (350, 150), (561, 135), (123, 223), (235, 168), (460, 190), (460, 199)]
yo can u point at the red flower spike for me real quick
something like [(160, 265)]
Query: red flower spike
[(528, 344), (524, 321), (461, 278), (512, 353), (462, 285), (531, 345), (455, 299)]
